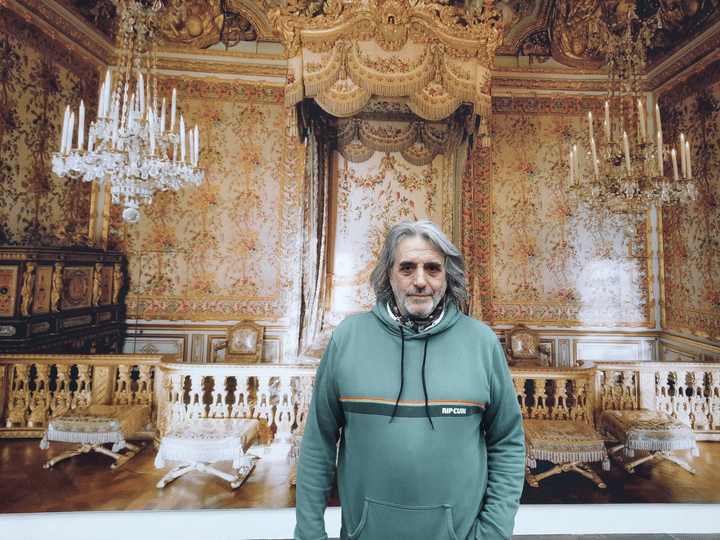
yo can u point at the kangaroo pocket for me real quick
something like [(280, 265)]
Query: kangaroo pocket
[(385, 521)]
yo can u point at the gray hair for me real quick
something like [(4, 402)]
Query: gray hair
[(427, 230)]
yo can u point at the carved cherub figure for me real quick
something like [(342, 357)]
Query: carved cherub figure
[(117, 282), (28, 289), (97, 285), (57, 287)]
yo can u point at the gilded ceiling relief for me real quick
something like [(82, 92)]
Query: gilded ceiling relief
[(576, 29), (192, 23), (537, 29), (184, 23)]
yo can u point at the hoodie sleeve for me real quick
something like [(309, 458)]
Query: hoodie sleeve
[(316, 468), (505, 454)]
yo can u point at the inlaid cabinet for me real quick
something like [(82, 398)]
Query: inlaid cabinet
[(65, 300)]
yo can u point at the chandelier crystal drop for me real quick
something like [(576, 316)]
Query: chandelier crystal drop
[(137, 144), (630, 167)]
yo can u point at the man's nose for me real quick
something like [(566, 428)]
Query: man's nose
[(420, 278)]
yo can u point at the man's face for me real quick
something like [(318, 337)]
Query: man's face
[(418, 277)]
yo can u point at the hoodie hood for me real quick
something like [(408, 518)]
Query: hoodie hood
[(394, 326)]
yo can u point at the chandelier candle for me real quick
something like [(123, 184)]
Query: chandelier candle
[(128, 145), (627, 175), (594, 157), (641, 120)]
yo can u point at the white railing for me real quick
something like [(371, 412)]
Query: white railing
[(688, 391), (277, 394)]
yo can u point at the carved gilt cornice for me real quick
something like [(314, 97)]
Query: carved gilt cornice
[(255, 13), (390, 23), (87, 45), (59, 24), (700, 54), (529, 23), (223, 65)]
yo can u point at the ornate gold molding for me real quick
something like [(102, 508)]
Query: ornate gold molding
[(255, 12), (224, 66), (84, 41), (59, 24), (191, 23)]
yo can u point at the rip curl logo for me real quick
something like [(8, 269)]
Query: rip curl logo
[(454, 410)]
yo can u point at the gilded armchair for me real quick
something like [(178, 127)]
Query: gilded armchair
[(523, 348), (243, 344)]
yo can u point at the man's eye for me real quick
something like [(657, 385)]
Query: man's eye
[(406, 269), (434, 270)]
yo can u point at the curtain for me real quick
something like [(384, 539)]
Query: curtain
[(315, 207)]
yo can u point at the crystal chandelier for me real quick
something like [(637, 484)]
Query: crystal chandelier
[(631, 168), (132, 145)]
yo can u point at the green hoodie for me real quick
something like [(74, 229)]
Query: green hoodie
[(446, 462)]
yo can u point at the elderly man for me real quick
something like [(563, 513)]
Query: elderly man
[(421, 399)]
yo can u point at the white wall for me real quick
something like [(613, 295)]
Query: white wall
[(243, 524)]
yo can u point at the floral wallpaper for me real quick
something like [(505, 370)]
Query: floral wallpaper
[(226, 249), (691, 235), (549, 261), (223, 251), (372, 196), (230, 248), (36, 83)]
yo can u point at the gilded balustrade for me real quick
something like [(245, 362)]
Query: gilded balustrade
[(688, 391), (548, 393), (35, 387), (277, 394)]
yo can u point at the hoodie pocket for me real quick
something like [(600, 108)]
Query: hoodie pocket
[(385, 521)]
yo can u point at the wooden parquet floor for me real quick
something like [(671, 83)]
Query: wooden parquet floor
[(86, 482)]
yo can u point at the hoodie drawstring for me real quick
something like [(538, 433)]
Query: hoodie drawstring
[(402, 377), (402, 371), (427, 405)]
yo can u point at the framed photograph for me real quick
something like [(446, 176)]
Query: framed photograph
[(8, 284), (77, 287), (43, 287)]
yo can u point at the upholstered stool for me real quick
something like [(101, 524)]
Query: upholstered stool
[(201, 442), (568, 444), (93, 427), (656, 432)]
